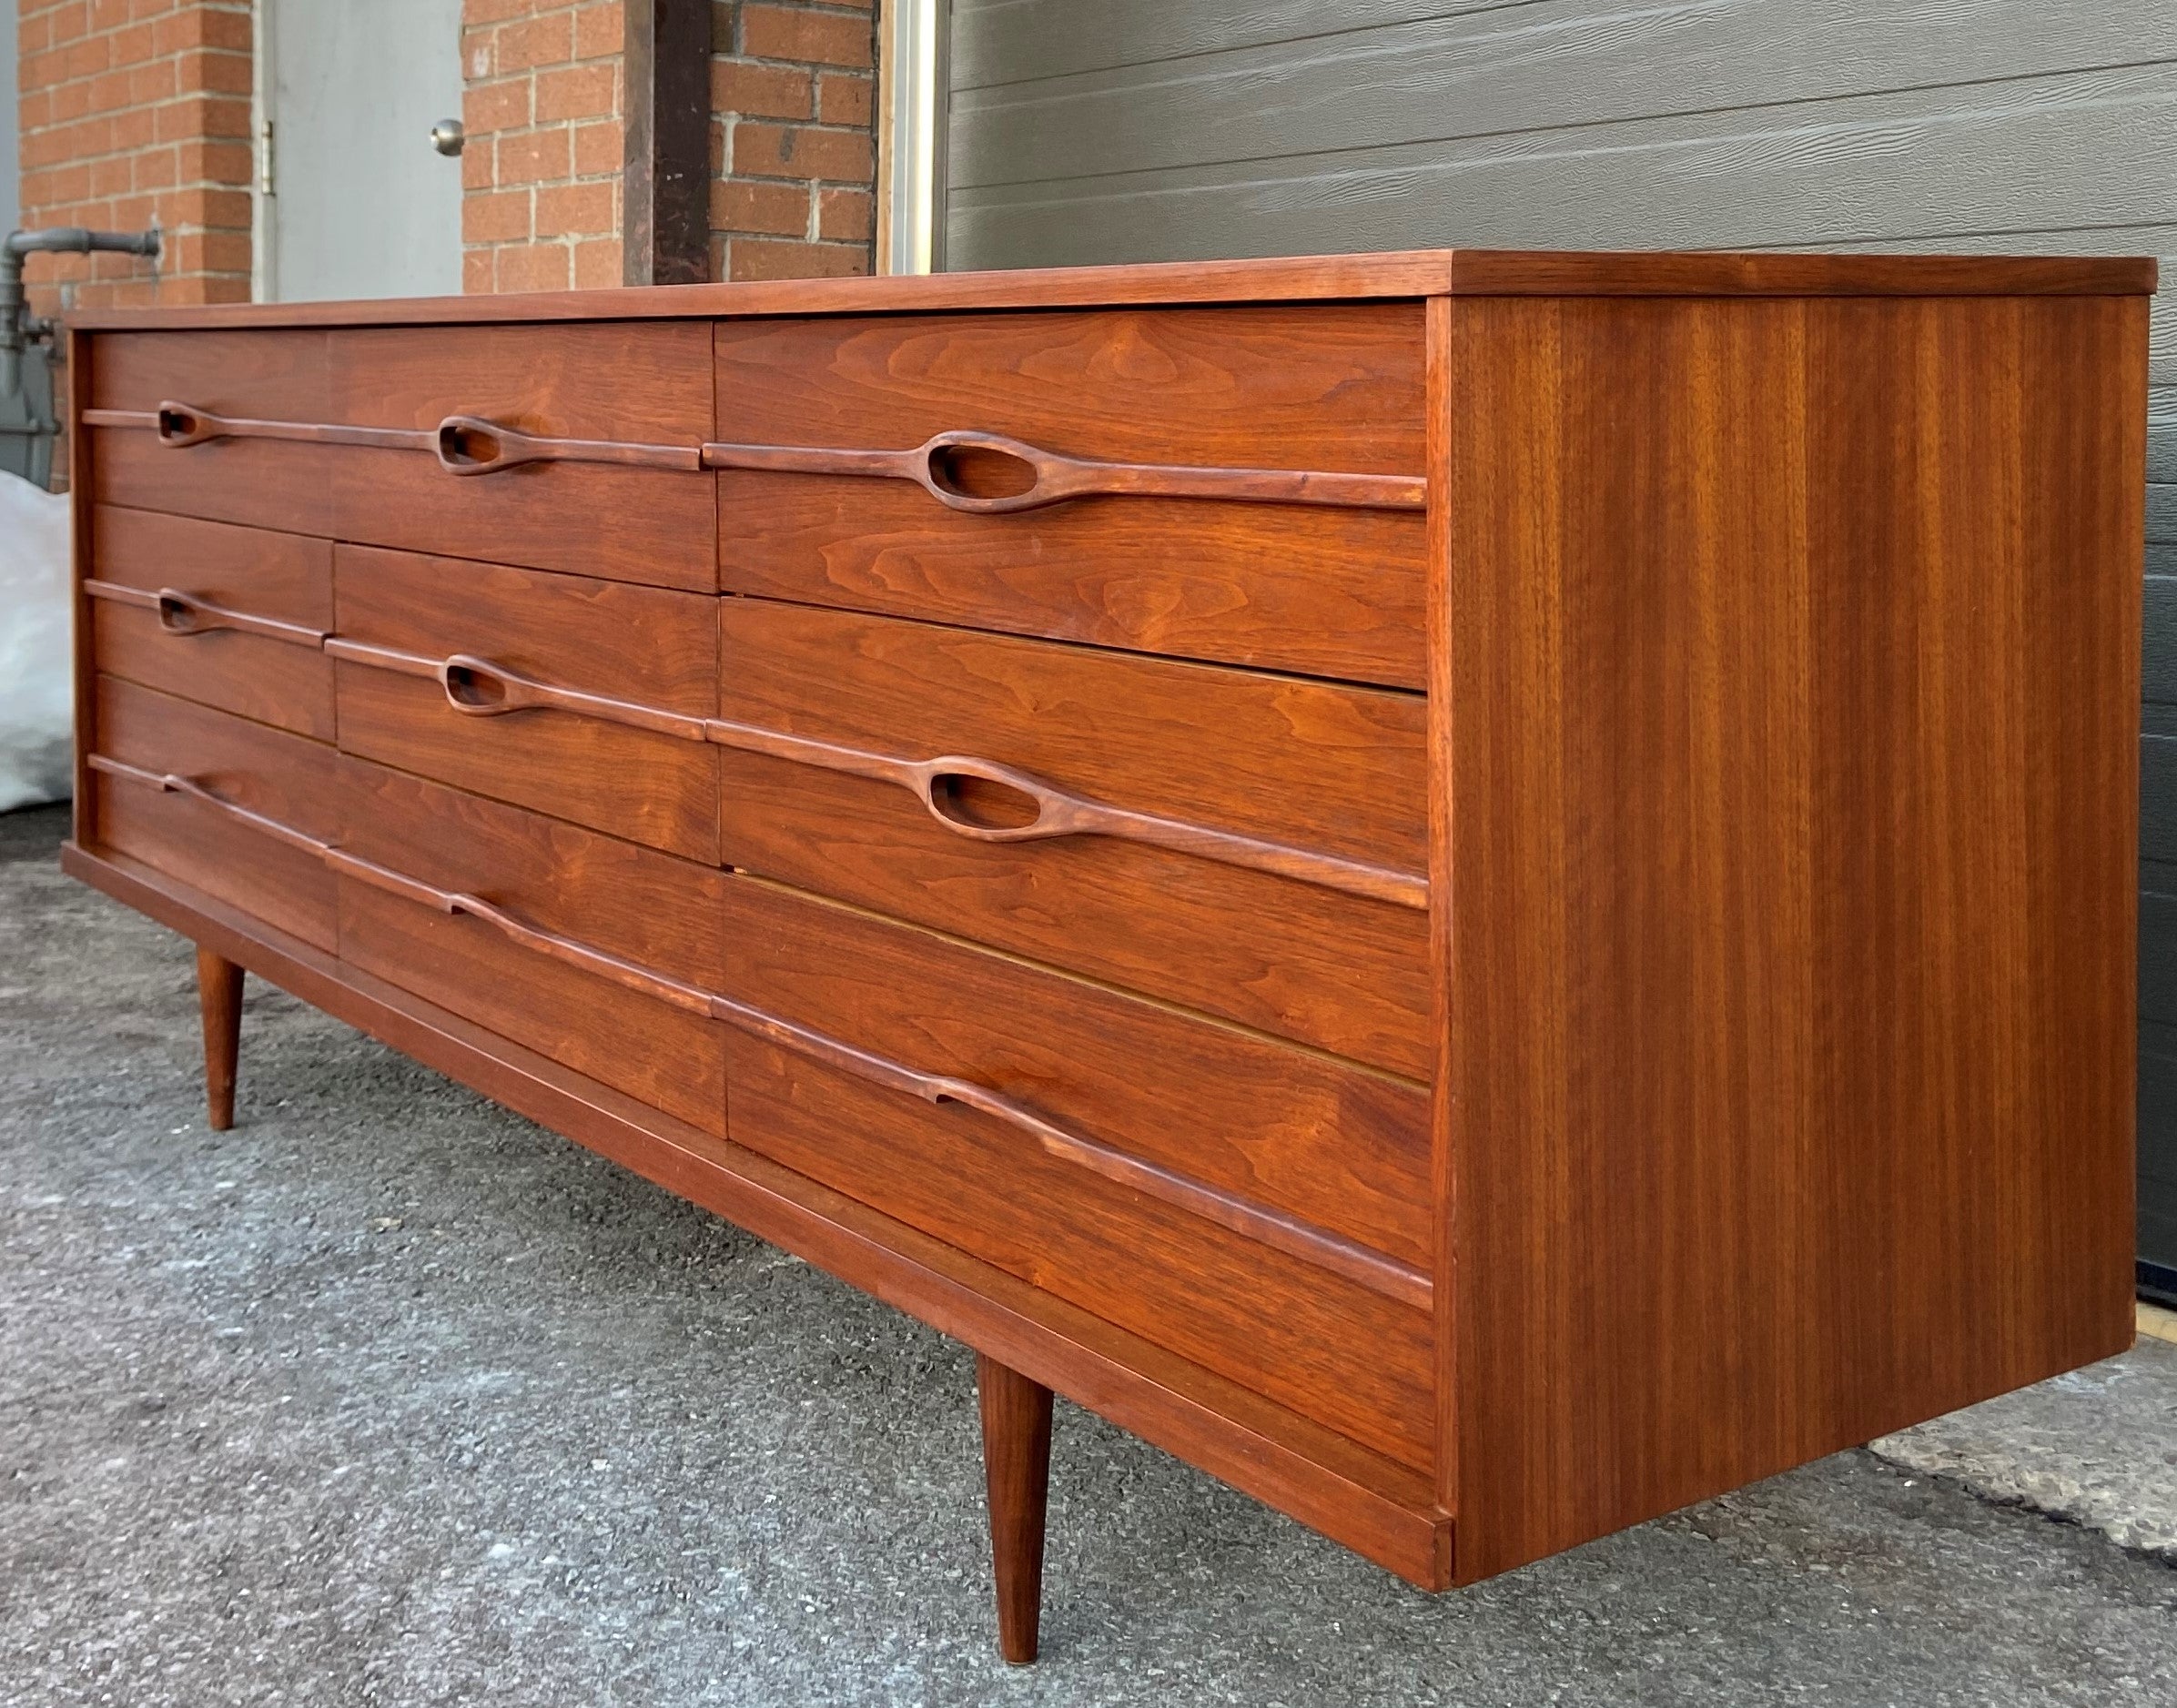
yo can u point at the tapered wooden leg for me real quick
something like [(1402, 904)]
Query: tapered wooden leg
[(220, 995), (1017, 1465)]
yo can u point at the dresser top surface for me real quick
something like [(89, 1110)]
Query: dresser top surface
[(1332, 277)]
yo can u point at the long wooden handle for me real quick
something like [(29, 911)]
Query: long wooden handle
[(184, 614), (478, 688), (463, 444), (179, 426), (1052, 477), (470, 444), (169, 782), (474, 444), (1356, 1262)]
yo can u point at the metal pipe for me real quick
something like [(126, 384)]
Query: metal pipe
[(17, 326)]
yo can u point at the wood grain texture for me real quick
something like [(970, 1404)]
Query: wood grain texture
[(1321, 1139), (287, 577), (83, 665), (1314, 764), (606, 637), (266, 771), (219, 1006), (1308, 589), (1343, 973), (1791, 659), (1332, 387), (1016, 1414), (1380, 1509), (277, 376), (629, 901), (645, 380), (1324, 1346), (1335, 593), (1775, 787), (1327, 277), (641, 382)]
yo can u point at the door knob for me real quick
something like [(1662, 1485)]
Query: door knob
[(447, 136)]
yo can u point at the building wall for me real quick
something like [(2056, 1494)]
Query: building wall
[(9, 187), (792, 148), (793, 139), (133, 111), (541, 169)]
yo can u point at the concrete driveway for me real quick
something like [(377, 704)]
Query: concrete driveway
[(389, 1396)]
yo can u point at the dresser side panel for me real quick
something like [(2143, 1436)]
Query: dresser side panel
[(1790, 655)]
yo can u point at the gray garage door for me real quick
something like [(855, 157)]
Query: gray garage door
[(2157, 858), (1135, 130)]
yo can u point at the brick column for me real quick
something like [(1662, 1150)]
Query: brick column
[(135, 112), (792, 144), (541, 170)]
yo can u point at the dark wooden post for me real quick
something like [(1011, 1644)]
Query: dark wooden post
[(220, 995), (1017, 1466), (665, 182)]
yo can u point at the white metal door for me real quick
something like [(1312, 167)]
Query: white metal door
[(355, 200)]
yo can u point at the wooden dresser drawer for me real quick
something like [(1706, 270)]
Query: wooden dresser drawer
[(644, 908), (1217, 401), (247, 376), (337, 433), (407, 614), (1330, 950), (1331, 1159), (612, 383), (1101, 1084), (143, 736), (244, 634)]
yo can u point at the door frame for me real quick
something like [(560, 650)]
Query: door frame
[(913, 92)]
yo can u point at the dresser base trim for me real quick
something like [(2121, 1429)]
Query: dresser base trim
[(1379, 1509)]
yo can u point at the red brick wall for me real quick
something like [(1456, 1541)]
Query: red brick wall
[(541, 169), (134, 111), (793, 140)]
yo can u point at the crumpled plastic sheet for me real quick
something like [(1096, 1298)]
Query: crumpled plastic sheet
[(36, 701)]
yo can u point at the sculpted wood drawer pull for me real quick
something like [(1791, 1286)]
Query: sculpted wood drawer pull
[(463, 444), (469, 444), (180, 425), (478, 688), (936, 783), (474, 444), (1356, 1262), (167, 782), (1052, 477), (185, 613)]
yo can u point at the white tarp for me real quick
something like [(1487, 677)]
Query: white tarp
[(35, 702)]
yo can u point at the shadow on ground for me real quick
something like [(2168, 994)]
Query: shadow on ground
[(389, 1396)]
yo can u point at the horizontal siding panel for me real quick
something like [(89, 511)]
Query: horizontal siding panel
[(2158, 797), (2161, 514), (1560, 65), (2158, 674), (1005, 41), (2042, 153), (2162, 415), (2158, 958)]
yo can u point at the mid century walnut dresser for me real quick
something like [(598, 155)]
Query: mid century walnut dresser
[(1484, 893)]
